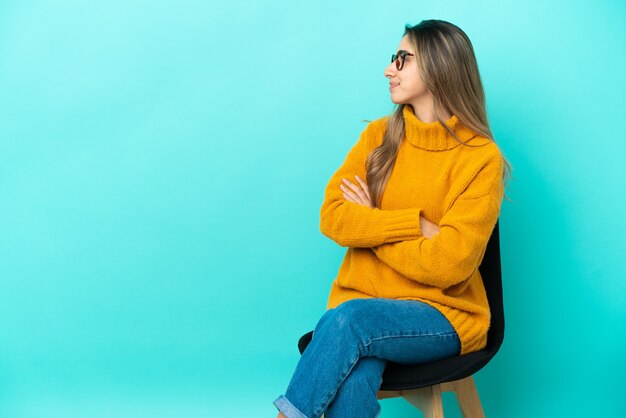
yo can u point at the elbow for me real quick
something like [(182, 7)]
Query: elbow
[(461, 270), (455, 264), (340, 240), (450, 274), (328, 223), (326, 230), (329, 230)]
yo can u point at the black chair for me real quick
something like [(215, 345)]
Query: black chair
[(422, 384)]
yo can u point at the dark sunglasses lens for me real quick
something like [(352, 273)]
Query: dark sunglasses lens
[(396, 58)]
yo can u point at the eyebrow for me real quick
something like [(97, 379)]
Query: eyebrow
[(403, 50)]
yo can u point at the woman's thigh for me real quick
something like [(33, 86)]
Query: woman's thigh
[(403, 331)]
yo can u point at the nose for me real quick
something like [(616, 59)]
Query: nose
[(390, 70)]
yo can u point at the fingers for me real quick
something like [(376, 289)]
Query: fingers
[(360, 192), (355, 193), (365, 188), (349, 188), (347, 193)]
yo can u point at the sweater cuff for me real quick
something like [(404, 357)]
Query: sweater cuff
[(401, 223)]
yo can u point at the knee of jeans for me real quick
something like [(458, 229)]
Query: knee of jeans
[(324, 318), (341, 317), (353, 309)]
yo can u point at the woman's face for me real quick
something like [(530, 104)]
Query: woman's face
[(406, 85)]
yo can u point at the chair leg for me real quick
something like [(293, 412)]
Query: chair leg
[(467, 397), (427, 399)]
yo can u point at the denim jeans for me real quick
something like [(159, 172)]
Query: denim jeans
[(340, 372)]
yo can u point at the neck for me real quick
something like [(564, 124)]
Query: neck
[(426, 112), (433, 136)]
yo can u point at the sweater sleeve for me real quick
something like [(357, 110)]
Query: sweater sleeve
[(455, 252), (350, 224)]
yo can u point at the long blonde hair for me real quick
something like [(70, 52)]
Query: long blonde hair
[(447, 64)]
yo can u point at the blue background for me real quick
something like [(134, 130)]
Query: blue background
[(162, 166)]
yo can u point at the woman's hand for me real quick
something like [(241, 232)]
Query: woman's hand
[(428, 228), (357, 193)]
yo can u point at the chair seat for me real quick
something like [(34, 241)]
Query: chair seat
[(414, 376), (403, 377)]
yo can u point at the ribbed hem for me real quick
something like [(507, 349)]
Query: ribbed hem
[(473, 336), (401, 223), (287, 408)]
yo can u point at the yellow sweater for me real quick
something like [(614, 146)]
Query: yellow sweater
[(455, 186)]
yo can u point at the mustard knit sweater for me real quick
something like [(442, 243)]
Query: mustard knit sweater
[(455, 186)]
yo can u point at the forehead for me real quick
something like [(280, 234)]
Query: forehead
[(405, 44)]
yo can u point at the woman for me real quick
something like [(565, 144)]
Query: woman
[(415, 200)]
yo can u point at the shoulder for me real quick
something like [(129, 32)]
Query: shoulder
[(477, 168), (376, 126), (380, 123), (373, 133), (480, 151)]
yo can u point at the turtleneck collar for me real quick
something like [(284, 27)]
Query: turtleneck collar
[(432, 136)]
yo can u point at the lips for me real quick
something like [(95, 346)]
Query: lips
[(392, 85)]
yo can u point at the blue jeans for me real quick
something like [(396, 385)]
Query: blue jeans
[(340, 372)]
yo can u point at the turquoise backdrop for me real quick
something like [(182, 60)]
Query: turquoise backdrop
[(162, 166)]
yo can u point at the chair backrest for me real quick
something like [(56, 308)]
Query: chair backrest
[(491, 272)]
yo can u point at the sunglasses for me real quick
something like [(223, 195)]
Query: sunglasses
[(396, 57)]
